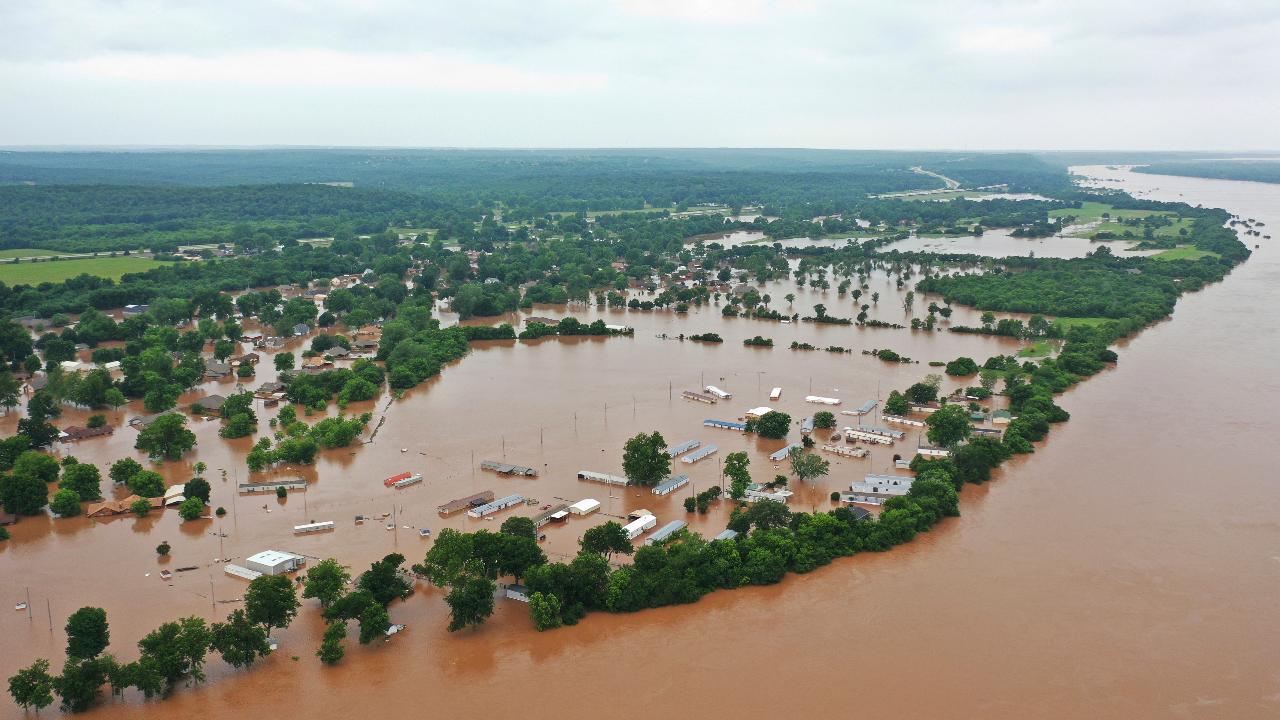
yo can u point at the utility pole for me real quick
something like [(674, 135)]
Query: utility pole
[(49, 608)]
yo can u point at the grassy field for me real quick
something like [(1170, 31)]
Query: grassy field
[(1040, 348), (1093, 211), (110, 267), (1185, 252), (28, 252), (1067, 322)]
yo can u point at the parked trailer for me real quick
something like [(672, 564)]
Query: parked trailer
[(638, 526), (683, 447), (314, 527), (585, 506), (852, 434), (899, 420), (241, 572), (882, 431), (413, 479), (273, 486), (504, 469), (698, 397), (820, 400), (602, 478), (775, 394), (806, 425), (391, 481), (725, 425), (863, 409), (931, 451), (495, 506), (705, 452), (549, 516), (844, 451), (454, 506), (713, 390), (784, 452), (665, 532), (670, 485)]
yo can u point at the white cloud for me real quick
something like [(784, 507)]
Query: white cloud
[(860, 73)]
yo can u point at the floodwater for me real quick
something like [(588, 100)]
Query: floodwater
[(1002, 243), (1127, 569)]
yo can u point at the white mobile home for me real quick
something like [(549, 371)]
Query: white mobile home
[(638, 526), (665, 532), (821, 400), (713, 390), (495, 506), (670, 485), (585, 506), (775, 393), (315, 527)]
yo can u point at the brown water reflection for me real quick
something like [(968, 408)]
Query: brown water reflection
[(1127, 569)]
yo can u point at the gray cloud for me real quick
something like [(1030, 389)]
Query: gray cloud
[(1172, 74)]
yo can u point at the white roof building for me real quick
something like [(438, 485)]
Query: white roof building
[(274, 562)]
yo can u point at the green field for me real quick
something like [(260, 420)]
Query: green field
[(1093, 211), (29, 273), (1040, 348), (1186, 252), (28, 252), (1069, 322)]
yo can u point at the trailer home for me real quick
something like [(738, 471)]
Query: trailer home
[(637, 527)]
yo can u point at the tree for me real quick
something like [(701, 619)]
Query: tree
[(448, 557), (166, 437), (606, 540), (23, 494), (223, 349), (146, 483), (87, 633), (326, 581), (239, 641), (948, 426), (922, 392), (83, 479), (962, 366), (735, 468), (519, 526), (177, 649), (79, 684), (807, 466), (331, 650), (140, 507), (773, 425), (65, 503), (32, 686), (645, 460), (197, 487), (37, 465), (988, 378), (284, 361), (122, 470), (374, 621), (191, 509), (544, 609), (10, 390), (824, 419), (518, 553), (271, 600), (470, 601), (384, 581)]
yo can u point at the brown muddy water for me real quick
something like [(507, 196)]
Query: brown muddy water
[(1130, 568)]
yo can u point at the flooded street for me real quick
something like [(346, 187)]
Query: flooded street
[(1126, 569)]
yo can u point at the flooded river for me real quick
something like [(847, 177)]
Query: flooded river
[(1130, 568)]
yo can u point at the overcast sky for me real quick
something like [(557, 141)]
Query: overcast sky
[(965, 74)]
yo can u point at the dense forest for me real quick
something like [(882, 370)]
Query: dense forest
[(1267, 171)]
